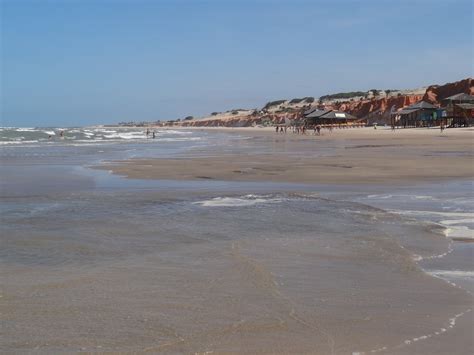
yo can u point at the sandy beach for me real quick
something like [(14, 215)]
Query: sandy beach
[(158, 194), (355, 156), (239, 241)]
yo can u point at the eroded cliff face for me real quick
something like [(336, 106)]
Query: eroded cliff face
[(374, 110), (242, 121), (436, 93), (380, 106), (379, 109)]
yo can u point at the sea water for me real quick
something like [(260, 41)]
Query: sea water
[(93, 261), (449, 205)]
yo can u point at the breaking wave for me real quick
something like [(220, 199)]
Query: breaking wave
[(242, 201), (29, 136)]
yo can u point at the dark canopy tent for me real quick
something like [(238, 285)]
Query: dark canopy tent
[(323, 117)]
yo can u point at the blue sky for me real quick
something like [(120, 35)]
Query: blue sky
[(85, 62)]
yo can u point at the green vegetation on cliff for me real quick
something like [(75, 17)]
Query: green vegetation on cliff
[(273, 103), (343, 95), (307, 99)]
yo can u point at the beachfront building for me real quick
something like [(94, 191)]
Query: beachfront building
[(331, 118), (420, 114), (459, 110)]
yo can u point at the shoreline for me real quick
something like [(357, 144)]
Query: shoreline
[(346, 156), (262, 269)]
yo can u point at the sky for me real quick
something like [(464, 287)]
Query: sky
[(82, 62)]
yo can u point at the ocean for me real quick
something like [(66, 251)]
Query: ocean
[(91, 261)]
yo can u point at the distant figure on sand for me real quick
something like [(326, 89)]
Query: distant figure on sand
[(276, 129), (441, 127), (154, 135), (318, 129), (147, 132)]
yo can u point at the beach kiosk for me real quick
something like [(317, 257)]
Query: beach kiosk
[(420, 114), (459, 110)]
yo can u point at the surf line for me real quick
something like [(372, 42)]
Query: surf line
[(451, 321), (407, 342)]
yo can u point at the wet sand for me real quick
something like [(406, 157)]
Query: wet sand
[(153, 277), (352, 156), (191, 271), (358, 157)]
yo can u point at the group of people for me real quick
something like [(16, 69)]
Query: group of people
[(317, 129), (61, 135), (301, 129), (152, 133)]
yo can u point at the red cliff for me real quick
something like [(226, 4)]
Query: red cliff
[(374, 110), (436, 93), (367, 107), (379, 109)]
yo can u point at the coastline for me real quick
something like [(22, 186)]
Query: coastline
[(347, 156), (361, 158), (272, 268)]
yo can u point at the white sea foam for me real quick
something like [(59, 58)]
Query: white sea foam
[(412, 197), (453, 229), (380, 196), (126, 135), (459, 232), (452, 273), (104, 130), (18, 142), (437, 256), (96, 134), (450, 325), (449, 222), (26, 129), (243, 201), (174, 132), (418, 197), (464, 215)]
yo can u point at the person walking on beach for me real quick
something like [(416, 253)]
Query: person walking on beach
[(441, 127), (276, 129), (147, 132), (154, 135), (318, 129)]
